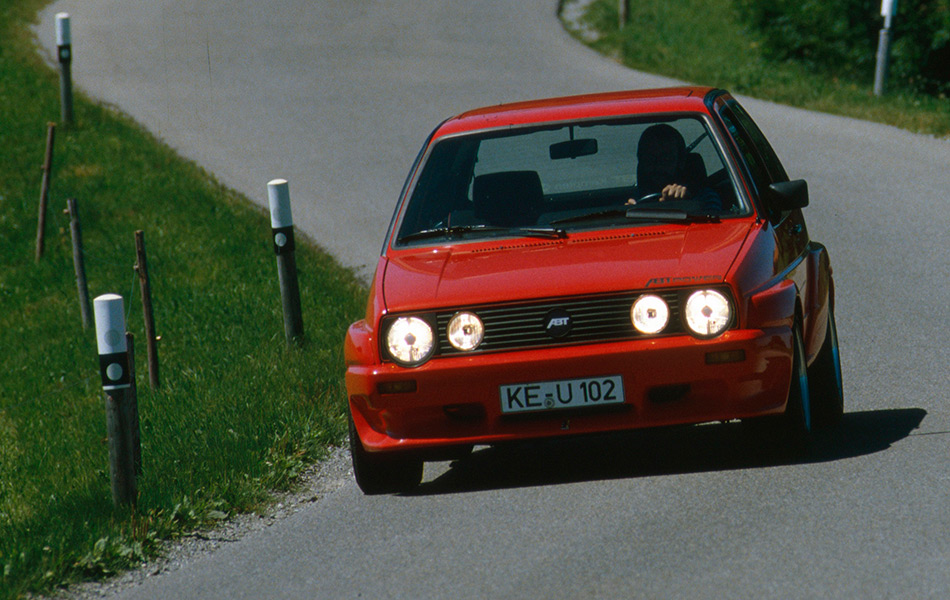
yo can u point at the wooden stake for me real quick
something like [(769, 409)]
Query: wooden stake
[(44, 190), (79, 263), (151, 341), (134, 428)]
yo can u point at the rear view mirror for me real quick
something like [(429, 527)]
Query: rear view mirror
[(789, 195), (573, 149)]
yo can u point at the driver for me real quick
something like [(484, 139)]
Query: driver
[(661, 169)]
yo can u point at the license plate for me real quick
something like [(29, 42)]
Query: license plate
[(566, 393)]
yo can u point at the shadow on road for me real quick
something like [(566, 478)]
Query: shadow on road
[(717, 447)]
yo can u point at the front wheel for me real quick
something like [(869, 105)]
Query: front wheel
[(382, 473), (824, 380), (792, 430)]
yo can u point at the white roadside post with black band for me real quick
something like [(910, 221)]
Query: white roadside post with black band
[(282, 234), (109, 311), (888, 9), (64, 53)]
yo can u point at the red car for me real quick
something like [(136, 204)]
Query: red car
[(590, 264)]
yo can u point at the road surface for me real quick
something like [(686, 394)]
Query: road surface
[(337, 96)]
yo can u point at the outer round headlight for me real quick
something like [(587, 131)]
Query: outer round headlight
[(409, 341), (708, 313), (466, 331), (650, 314)]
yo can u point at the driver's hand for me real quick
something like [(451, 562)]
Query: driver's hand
[(674, 191)]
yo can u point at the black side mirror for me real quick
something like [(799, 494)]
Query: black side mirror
[(788, 195)]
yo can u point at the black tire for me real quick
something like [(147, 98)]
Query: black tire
[(388, 473), (797, 420), (824, 380)]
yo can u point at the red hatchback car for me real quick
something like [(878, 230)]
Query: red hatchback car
[(590, 264)]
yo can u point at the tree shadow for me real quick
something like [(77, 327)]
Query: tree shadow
[(670, 451)]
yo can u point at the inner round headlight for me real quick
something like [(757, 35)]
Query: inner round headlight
[(650, 314), (466, 331), (708, 313), (409, 341)]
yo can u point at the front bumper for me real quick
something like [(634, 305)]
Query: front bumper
[(667, 381)]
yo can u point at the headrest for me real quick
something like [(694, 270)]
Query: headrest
[(694, 171), (508, 198)]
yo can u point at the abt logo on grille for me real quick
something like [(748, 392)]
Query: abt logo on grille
[(557, 323)]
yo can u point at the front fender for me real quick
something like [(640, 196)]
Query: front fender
[(820, 300), (359, 348), (773, 306)]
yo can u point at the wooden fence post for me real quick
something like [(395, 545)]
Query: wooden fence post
[(135, 430), (151, 341), (44, 190), (78, 262)]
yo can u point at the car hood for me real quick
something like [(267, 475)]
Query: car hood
[(585, 263)]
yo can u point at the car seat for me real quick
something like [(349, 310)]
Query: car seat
[(694, 171), (508, 198)]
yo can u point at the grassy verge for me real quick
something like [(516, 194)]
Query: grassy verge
[(702, 41), (238, 413)]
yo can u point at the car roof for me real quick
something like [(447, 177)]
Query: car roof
[(587, 106)]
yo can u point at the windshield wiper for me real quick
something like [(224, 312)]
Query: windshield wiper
[(460, 230), (455, 230), (670, 214), (604, 214), (641, 214), (541, 232)]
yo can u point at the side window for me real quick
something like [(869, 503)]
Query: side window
[(764, 166), (772, 163), (757, 170)]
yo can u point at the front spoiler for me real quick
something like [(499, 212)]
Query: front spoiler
[(667, 381)]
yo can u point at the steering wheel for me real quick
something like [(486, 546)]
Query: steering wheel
[(650, 198)]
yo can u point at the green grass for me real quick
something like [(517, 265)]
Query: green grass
[(703, 41), (238, 414)]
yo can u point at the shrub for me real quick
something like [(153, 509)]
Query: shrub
[(840, 37)]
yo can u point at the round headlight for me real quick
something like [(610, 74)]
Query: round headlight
[(650, 314), (409, 341), (466, 331), (708, 313)]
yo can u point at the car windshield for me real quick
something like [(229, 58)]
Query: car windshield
[(568, 177)]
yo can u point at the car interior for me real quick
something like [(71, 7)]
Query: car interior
[(536, 178)]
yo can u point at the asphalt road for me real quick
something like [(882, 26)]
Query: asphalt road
[(337, 96)]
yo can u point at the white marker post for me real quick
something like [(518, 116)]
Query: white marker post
[(114, 369), (65, 55), (888, 9), (282, 234), (623, 9)]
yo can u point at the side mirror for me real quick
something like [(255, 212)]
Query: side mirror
[(788, 195), (573, 149)]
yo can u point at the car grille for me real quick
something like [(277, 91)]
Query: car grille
[(593, 319)]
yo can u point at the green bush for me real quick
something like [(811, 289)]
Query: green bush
[(840, 38), (921, 48)]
